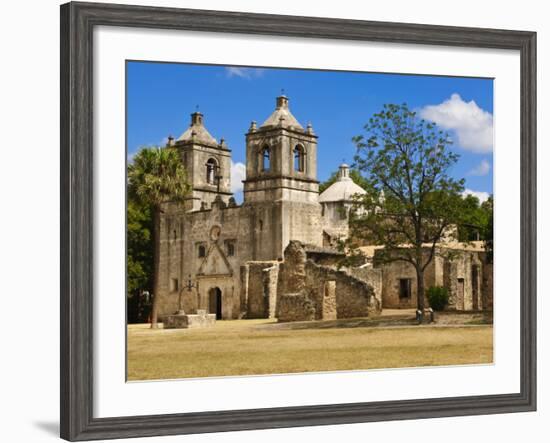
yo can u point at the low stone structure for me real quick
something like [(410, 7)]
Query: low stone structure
[(458, 267), (190, 321)]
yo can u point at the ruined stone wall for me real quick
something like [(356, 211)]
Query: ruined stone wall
[(296, 307), (329, 308), (260, 288), (321, 292), (373, 277), (487, 286), (270, 277), (243, 299), (324, 258), (293, 300), (454, 271), (353, 297), (465, 290), (256, 307), (292, 272)]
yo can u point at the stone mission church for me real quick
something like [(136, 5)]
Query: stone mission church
[(272, 256)]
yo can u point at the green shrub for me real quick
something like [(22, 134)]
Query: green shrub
[(438, 297)]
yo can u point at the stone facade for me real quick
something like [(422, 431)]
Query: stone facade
[(272, 256), (460, 270), (210, 245)]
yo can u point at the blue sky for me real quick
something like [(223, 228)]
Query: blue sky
[(161, 97)]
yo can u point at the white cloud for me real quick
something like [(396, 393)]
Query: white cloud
[(472, 125), (238, 174), (482, 169), (481, 195), (247, 73)]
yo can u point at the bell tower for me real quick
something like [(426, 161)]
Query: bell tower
[(281, 181), (281, 159), (207, 162)]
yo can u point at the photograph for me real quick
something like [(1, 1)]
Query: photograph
[(283, 220), (274, 221)]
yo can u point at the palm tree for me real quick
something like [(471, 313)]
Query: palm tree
[(156, 176)]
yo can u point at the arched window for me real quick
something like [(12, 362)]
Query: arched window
[(266, 158), (211, 170), (299, 159)]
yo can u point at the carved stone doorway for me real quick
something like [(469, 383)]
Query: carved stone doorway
[(215, 302)]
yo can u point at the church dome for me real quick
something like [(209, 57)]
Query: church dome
[(282, 116), (343, 189)]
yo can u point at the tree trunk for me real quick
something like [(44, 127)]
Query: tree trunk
[(156, 267), (420, 294), (420, 289)]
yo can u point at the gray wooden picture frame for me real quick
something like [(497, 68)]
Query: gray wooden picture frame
[(77, 24)]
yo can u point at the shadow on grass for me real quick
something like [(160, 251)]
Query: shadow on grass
[(343, 323)]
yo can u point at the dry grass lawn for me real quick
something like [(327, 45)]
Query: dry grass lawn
[(247, 347)]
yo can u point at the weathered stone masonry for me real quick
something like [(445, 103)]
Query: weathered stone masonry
[(272, 256), (311, 291)]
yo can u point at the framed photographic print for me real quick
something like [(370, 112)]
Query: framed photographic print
[(272, 221)]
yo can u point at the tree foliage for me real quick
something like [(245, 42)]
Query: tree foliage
[(474, 224), (487, 228), (139, 262), (156, 176), (411, 201)]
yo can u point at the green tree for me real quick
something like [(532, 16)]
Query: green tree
[(474, 220), (353, 173), (487, 208), (156, 176), (139, 262), (411, 202), (470, 223)]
